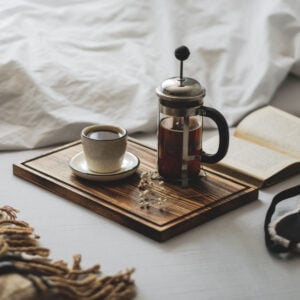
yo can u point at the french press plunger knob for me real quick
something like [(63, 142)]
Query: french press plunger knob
[(180, 127)]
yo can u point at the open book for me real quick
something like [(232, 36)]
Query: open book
[(264, 149)]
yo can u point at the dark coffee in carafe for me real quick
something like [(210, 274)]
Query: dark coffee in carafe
[(170, 147)]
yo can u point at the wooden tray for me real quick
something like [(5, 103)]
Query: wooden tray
[(185, 208)]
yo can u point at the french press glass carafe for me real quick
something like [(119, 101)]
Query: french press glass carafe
[(181, 109)]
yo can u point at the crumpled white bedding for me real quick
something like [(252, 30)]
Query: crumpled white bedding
[(65, 64)]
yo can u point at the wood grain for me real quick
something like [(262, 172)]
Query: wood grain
[(185, 208)]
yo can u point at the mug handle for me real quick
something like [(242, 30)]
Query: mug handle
[(223, 130)]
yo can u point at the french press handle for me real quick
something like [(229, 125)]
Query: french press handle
[(223, 130)]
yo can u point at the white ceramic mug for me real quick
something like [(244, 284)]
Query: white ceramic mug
[(104, 147)]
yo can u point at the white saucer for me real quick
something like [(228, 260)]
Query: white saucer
[(79, 167)]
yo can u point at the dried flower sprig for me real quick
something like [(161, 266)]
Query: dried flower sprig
[(148, 197)]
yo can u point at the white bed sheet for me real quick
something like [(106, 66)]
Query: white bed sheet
[(67, 64)]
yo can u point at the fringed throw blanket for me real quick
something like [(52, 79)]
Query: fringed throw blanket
[(27, 272)]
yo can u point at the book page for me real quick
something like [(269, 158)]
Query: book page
[(248, 158), (273, 128)]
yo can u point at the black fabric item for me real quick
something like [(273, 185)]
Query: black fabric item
[(288, 227)]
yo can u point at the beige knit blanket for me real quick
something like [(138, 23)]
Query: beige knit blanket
[(27, 272)]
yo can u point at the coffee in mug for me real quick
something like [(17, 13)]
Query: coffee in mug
[(104, 147), (104, 135)]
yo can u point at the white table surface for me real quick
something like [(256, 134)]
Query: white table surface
[(225, 258)]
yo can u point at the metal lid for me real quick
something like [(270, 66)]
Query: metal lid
[(180, 90)]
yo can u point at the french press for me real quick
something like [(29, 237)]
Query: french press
[(180, 127)]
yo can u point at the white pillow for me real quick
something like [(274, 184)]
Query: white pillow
[(67, 64)]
